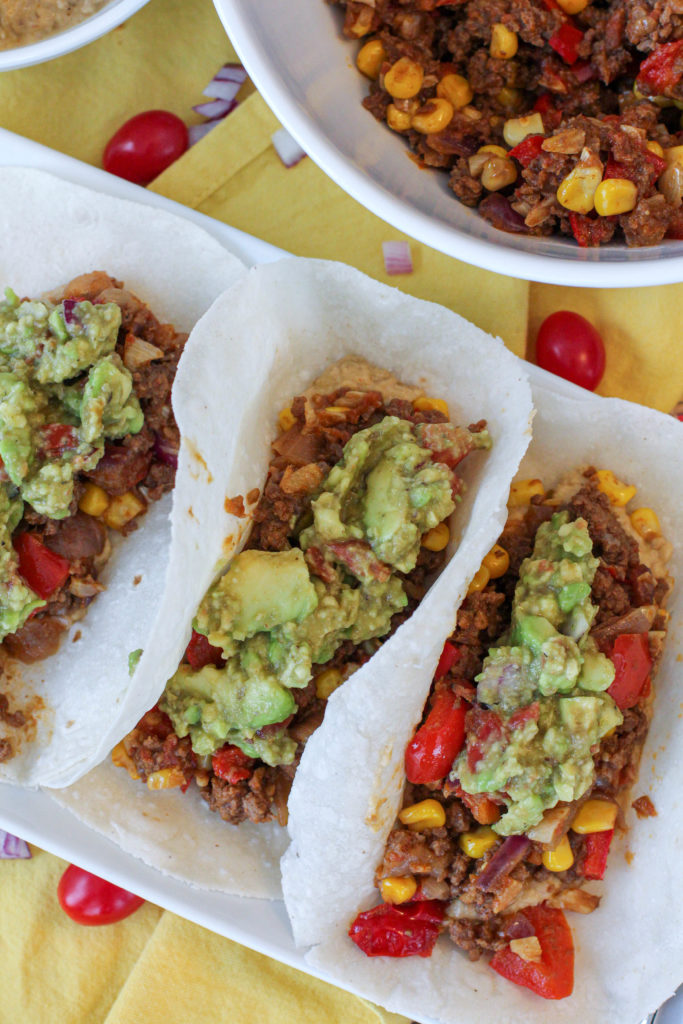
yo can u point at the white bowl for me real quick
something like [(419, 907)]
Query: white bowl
[(98, 24), (305, 70)]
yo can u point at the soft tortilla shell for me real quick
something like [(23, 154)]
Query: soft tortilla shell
[(52, 231), (628, 952), (260, 344)]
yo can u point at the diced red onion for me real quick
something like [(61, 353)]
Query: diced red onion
[(215, 108), (222, 90), (12, 848), (520, 927), (583, 71), (287, 148), (496, 209), (197, 131), (397, 258), (69, 306), (166, 451), (230, 73), (506, 857)]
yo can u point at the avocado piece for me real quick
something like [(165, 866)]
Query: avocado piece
[(109, 407), (17, 600), (91, 333), (532, 631)]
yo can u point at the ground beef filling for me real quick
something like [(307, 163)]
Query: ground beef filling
[(142, 464), (303, 456), (594, 103), (434, 857)]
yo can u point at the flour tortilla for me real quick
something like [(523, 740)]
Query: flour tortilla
[(628, 952), (263, 342), (51, 232)]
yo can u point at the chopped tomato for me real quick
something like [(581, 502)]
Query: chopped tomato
[(631, 658), (434, 747), (566, 42), (520, 717), (44, 570), (449, 655), (232, 764), (662, 70), (200, 652), (597, 849), (528, 149), (410, 929), (483, 728), (57, 438), (553, 977)]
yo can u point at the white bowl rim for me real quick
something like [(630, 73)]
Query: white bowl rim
[(72, 38), (585, 269)]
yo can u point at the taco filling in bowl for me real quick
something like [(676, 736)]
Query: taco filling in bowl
[(348, 533), (87, 440), (520, 772)]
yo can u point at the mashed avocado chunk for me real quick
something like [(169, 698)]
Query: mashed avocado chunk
[(274, 621), (545, 687), (17, 601)]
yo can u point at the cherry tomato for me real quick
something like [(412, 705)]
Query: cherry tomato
[(90, 900), (145, 146), (569, 346)]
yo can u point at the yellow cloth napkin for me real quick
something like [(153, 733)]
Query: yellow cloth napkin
[(154, 967)]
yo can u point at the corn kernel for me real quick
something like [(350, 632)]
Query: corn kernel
[(123, 509), (337, 412), (370, 58), (645, 522), (456, 90), (573, 6), (618, 493), (433, 116), (398, 120), (497, 561), (595, 816), (615, 195), (559, 859), (404, 79), (577, 191), (327, 682), (122, 759), (425, 404), (655, 148), (511, 99), (94, 500), (674, 155), (398, 890), (426, 814), (437, 538), (497, 150), (504, 42), (522, 491), (286, 420), (479, 580), (166, 778), (498, 172), (478, 842), (516, 129)]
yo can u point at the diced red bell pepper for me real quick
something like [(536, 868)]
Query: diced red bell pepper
[(553, 977), (410, 929), (590, 231), (483, 809), (200, 652), (56, 438), (632, 661), (614, 169), (544, 103), (434, 747), (566, 42), (232, 764), (583, 71), (662, 70), (528, 149), (675, 230), (449, 655), (597, 849), (44, 570)]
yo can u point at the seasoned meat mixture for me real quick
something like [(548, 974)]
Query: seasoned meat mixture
[(27, 21), (550, 116)]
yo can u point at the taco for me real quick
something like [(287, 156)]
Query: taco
[(88, 443), (347, 547), (523, 760)]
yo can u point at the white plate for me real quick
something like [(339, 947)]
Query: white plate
[(98, 24), (260, 924), (304, 69)]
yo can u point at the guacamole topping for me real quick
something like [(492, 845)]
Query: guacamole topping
[(63, 392), (273, 620), (544, 687)]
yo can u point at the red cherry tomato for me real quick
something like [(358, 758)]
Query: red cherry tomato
[(145, 146), (569, 346), (90, 900)]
